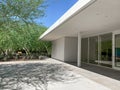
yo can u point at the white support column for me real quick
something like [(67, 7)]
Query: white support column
[(113, 50), (79, 50), (99, 49), (88, 56)]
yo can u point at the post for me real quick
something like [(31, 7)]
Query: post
[(99, 49), (113, 50), (88, 57), (79, 50)]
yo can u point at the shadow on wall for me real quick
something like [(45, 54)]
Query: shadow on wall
[(36, 76)]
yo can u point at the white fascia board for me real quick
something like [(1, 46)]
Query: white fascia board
[(79, 6)]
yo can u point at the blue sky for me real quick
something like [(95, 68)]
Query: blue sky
[(54, 10)]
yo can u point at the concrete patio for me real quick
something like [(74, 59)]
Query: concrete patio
[(103, 70), (69, 77)]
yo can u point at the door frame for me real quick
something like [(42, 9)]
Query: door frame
[(114, 33)]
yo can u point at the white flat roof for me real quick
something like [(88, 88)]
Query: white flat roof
[(86, 16)]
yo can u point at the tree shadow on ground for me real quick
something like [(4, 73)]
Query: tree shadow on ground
[(37, 75)]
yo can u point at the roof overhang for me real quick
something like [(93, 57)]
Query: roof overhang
[(86, 16)]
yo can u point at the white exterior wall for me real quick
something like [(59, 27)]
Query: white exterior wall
[(58, 49), (71, 49), (65, 49)]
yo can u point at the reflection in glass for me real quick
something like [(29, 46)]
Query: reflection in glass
[(117, 50), (93, 49), (84, 49), (106, 49)]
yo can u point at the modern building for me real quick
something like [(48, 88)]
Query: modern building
[(88, 32)]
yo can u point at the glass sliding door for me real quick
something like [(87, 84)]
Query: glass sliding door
[(98, 50), (106, 50), (84, 50), (117, 50), (93, 50)]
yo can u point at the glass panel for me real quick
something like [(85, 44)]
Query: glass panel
[(106, 50), (117, 50), (84, 49), (93, 50)]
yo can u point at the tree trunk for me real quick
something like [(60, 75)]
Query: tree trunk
[(27, 53)]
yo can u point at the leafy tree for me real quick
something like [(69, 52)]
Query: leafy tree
[(21, 10), (18, 30)]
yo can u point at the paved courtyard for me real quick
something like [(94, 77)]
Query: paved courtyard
[(50, 74)]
